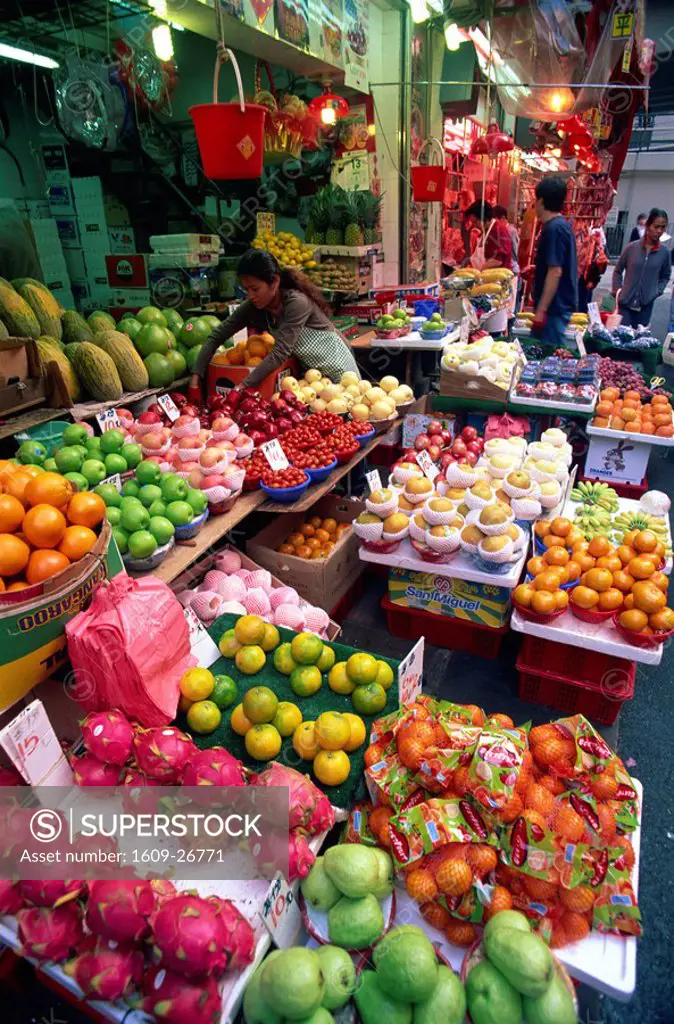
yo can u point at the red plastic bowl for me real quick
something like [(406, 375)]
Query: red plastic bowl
[(381, 547), (640, 639), (346, 455), (590, 614), (530, 616), (431, 556)]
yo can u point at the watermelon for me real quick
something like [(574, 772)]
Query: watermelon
[(151, 315)]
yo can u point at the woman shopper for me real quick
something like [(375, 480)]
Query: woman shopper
[(642, 272), (285, 304)]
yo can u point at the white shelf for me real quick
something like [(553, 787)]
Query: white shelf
[(624, 435), (349, 250), (601, 637), (462, 567)]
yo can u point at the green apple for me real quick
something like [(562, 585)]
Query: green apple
[(133, 454), (180, 513), (49, 466), (157, 508), (122, 538), (32, 453), (148, 472), (109, 494), (68, 460), (142, 544), (94, 470), (173, 488), (79, 482), (113, 515), (134, 517), (161, 529), (130, 488), (115, 463), (197, 499), (112, 441), (149, 493), (75, 433)]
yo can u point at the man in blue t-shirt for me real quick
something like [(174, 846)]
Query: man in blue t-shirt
[(556, 274)]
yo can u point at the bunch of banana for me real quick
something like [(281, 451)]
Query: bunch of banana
[(596, 494), (627, 521), (593, 520)]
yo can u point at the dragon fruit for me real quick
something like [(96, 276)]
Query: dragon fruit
[(162, 752), (323, 816), (300, 856), (120, 910), (50, 894), (108, 735), (10, 777), (272, 850), (303, 795), (190, 937), (240, 943), (174, 999), (214, 767), (11, 899), (50, 933), (106, 971), (89, 771)]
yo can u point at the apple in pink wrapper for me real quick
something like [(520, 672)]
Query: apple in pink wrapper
[(229, 561)]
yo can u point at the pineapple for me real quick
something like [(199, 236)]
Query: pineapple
[(319, 218), (370, 212), (353, 231), (335, 198)]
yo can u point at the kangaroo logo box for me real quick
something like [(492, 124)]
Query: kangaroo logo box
[(610, 458)]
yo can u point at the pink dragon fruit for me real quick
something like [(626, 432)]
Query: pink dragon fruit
[(300, 856), (106, 971), (274, 849), (303, 795), (11, 899), (108, 735), (52, 893), (240, 943), (120, 910), (323, 816), (10, 777), (190, 937), (89, 771), (50, 933), (162, 752), (132, 777), (213, 767), (173, 999)]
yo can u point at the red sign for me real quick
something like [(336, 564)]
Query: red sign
[(127, 271)]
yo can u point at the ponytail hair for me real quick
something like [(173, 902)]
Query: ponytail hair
[(262, 265)]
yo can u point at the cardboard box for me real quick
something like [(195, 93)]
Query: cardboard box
[(475, 602), (325, 581), (20, 365), (96, 270), (74, 259), (68, 232), (122, 240)]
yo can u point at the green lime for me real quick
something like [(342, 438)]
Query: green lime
[(115, 463), (122, 538), (142, 544), (149, 493), (113, 515), (134, 518), (225, 692), (130, 489), (112, 441), (133, 454), (161, 529), (109, 494), (148, 472)]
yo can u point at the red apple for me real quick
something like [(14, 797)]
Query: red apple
[(409, 455), (434, 427), (283, 424), (422, 442), (154, 440), (187, 442), (203, 435), (241, 441), (295, 416), (148, 418), (271, 430), (470, 458), (446, 438), (234, 399), (279, 405), (190, 410), (214, 480), (469, 433), (221, 423), (435, 451), (210, 457), (458, 449), (474, 446), (258, 437), (446, 459), (180, 400)]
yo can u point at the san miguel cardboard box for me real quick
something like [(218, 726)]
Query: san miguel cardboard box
[(476, 602), (322, 582)]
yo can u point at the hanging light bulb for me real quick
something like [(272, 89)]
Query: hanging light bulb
[(419, 11), (453, 36), (328, 115), (328, 106), (162, 42), (560, 100)]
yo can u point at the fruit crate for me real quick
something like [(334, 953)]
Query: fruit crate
[(222, 378), (443, 630), (623, 490), (581, 664), (600, 701)]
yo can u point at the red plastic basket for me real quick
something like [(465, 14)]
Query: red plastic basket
[(590, 614), (430, 181), (443, 630), (562, 660), (601, 701), (640, 639), (530, 616)]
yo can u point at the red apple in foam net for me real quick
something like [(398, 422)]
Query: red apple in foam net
[(155, 458), (241, 441), (183, 421), (203, 435), (435, 451), (185, 443), (149, 418), (470, 457), (213, 480), (469, 434), (125, 416), (211, 457), (221, 423), (458, 449), (153, 441), (434, 427), (195, 476), (422, 442)]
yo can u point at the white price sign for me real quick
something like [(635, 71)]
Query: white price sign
[(275, 455), (30, 741), (169, 407), (107, 420), (373, 480), (410, 673), (427, 466), (580, 344), (470, 312), (202, 645), (593, 313), (115, 480), (281, 913)]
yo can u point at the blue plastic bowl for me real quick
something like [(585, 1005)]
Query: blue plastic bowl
[(433, 335), (363, 439), (286, 495), (495, 568), (190, 530), (317, 475)]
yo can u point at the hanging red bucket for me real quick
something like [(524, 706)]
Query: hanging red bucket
[(230, 135), (430, 180)]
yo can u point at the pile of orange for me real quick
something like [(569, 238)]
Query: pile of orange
[(629, 414), (248, 353), (314, 539), (543, 594), (44, 525)]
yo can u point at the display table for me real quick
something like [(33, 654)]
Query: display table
[(410, 343), (601, 637), (462, 567)]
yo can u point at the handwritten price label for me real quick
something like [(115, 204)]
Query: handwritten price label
[(275, 455), (373, 480), (593, 313), (202, 645), (107, 420), (410, 673), (427, 466), (169, 407), (115, 480), (281, 913)]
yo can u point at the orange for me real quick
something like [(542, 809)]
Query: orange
[(628, 602), (481, 858), (662, 621), (303, 551), (610, 562), (77, 540), (551, 782), (86, 509), (607, 822), (461, 933), (542, 528), (435, 915), (543, 602), (17, 585), (647, 597), (635, 620), (500, 900), (574, 536), (3, 588), (560, 526), (330, 524), (538, 798), (11, 513), (572, 570), (561, 599), (611, 599), (44, 564), (660, 580), (584, 560), (421, 885), (322, 535), (641, 567), (313, 543), (296, 539), (15, 485), (547, 580), (556, 556), (598, 579), (14, 555), (316, 522), (50, 489), (584, 597), (522, 595), (628, 538), (536, 565), (604, 787), (645, 540), (551, 751), (539, 889), (568, 824), (623, 581), (44, 526), (552, 540), (511, 809), (307, 530), (598, 546), (286, 549), (454, 877)]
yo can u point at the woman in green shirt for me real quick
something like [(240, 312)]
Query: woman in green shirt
[(285, 304)]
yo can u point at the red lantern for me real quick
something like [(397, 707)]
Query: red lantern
[(493, 142), (328, 107)]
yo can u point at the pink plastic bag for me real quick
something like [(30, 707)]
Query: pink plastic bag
[(129, 650), (506, 426)]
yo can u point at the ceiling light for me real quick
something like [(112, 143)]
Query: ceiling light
[(453, 36), (27, 56), (162, 42), (420, 12)]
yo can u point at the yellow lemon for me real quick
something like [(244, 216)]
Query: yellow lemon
[(331, 767), (384, 675), (272, 637), (288, 716), (249, 629), (238, 721), (358, 732), (263, 742), (260, 704), (332, 730), (204, 717), (338, 681), (197, 683)]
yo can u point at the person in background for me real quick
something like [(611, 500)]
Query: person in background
[(595, 269), (501, 215), (555, 291), (496, 247), (18, 256), (642, 272), (639, 228)]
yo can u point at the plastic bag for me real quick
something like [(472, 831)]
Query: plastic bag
[(506, 426), (129, 650)]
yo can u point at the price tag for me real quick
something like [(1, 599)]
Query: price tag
[(373, 480), (266, 222), (107, 420), (115, 480), (169, 407), (30, 741), (275, 455), (464, 330), (593, 313), (470, 312), (427, 466), (222, 389), (410, 673), (202, 645), (281, 913)]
